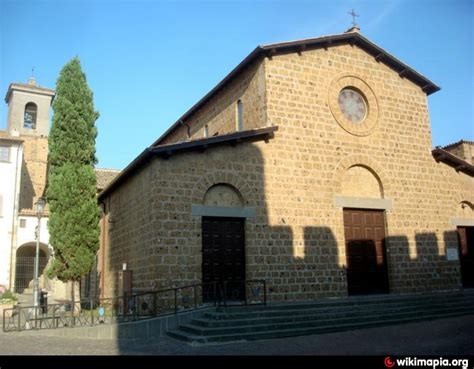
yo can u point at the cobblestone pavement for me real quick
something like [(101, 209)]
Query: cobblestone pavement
[(454, 336)]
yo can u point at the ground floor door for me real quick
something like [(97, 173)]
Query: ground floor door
[(466, 252), (223, 257), (367, 271)]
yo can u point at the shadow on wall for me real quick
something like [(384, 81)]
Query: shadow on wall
[(27, 191), (428, 270)]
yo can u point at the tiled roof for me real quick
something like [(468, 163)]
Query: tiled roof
[(460, 142), (104, 177)]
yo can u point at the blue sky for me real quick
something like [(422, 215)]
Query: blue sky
[(147, 62)]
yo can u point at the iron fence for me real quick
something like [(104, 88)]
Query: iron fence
[(143, 305)]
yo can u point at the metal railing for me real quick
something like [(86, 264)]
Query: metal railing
[(143, 305)]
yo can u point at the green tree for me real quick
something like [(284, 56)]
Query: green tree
[(71, 192)]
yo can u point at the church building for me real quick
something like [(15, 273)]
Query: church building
[(309, 166)]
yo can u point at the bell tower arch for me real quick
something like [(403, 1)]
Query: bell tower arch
[(28, 109)]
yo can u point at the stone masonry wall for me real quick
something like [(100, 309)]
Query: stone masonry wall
[(465, 151), (219, 113), (296, 241), (318, 151), (33, 173)]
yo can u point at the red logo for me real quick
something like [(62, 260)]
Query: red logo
[(388, 362)]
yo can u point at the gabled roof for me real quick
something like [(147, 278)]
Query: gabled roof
[(199, 145), (353, 38)]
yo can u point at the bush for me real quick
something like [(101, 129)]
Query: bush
[(7, 296)]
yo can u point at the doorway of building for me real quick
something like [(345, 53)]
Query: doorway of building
[(25, 266), (466, 252), (223, 257), (367, 271)]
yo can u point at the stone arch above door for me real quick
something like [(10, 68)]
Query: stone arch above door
[(359, 182), (361, 162), (221, 178), (223, 194)]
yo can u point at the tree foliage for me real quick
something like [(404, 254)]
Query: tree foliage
[(74, 213)]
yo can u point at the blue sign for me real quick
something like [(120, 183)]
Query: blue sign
[(101, 311)]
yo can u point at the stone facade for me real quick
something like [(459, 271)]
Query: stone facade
[(297, 182), (463, 150)]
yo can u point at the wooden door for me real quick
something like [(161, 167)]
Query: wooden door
[(367, 271), (466, 252), (223, 257)]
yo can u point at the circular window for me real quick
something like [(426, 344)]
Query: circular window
[(352, 105)]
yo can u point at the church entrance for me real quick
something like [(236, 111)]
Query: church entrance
[(367, 271), (466, 252), (223, 257)]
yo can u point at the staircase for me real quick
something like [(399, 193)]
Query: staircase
[(322, 316)]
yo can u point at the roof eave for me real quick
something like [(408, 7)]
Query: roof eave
[(441, 155), (244, 63), (165, 151)]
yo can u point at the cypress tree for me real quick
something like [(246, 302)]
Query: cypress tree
[(71, 192)]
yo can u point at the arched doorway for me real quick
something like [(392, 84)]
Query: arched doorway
[(25, 265), (223, 243)]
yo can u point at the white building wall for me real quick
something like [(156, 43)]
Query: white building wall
[(9, 191), (27, 234)]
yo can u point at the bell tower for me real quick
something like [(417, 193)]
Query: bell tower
[(28, 118), (28, 109)]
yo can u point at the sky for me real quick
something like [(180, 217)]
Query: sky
[(147, 62)]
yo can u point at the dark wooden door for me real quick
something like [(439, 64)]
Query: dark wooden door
[(367, 271), (466, 252), (223, 257)]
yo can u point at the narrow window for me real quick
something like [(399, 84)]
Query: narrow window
[(30, 116), (240, 116), (4, 153), (22, 223), (206, 131)]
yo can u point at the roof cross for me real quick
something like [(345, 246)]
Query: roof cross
[(354, 15)]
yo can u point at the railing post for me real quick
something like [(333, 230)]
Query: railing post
[(195, 296), (175, 301), (154, 303), (225, 294), (215, 292), (54, 318), (245, 292), (36, 317), (135, 305), (264, 292), (19, 319), (92, 312), (4, 320)]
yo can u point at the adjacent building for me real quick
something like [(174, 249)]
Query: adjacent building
[(23, 167)]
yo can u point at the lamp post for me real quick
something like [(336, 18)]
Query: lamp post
[(40, 204)]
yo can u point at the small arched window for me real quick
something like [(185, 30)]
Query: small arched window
[(31, 111), (240, 116)]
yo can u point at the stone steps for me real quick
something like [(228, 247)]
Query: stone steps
[(330, 315)]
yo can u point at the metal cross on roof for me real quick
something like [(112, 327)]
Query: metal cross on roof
[(354, 15)]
